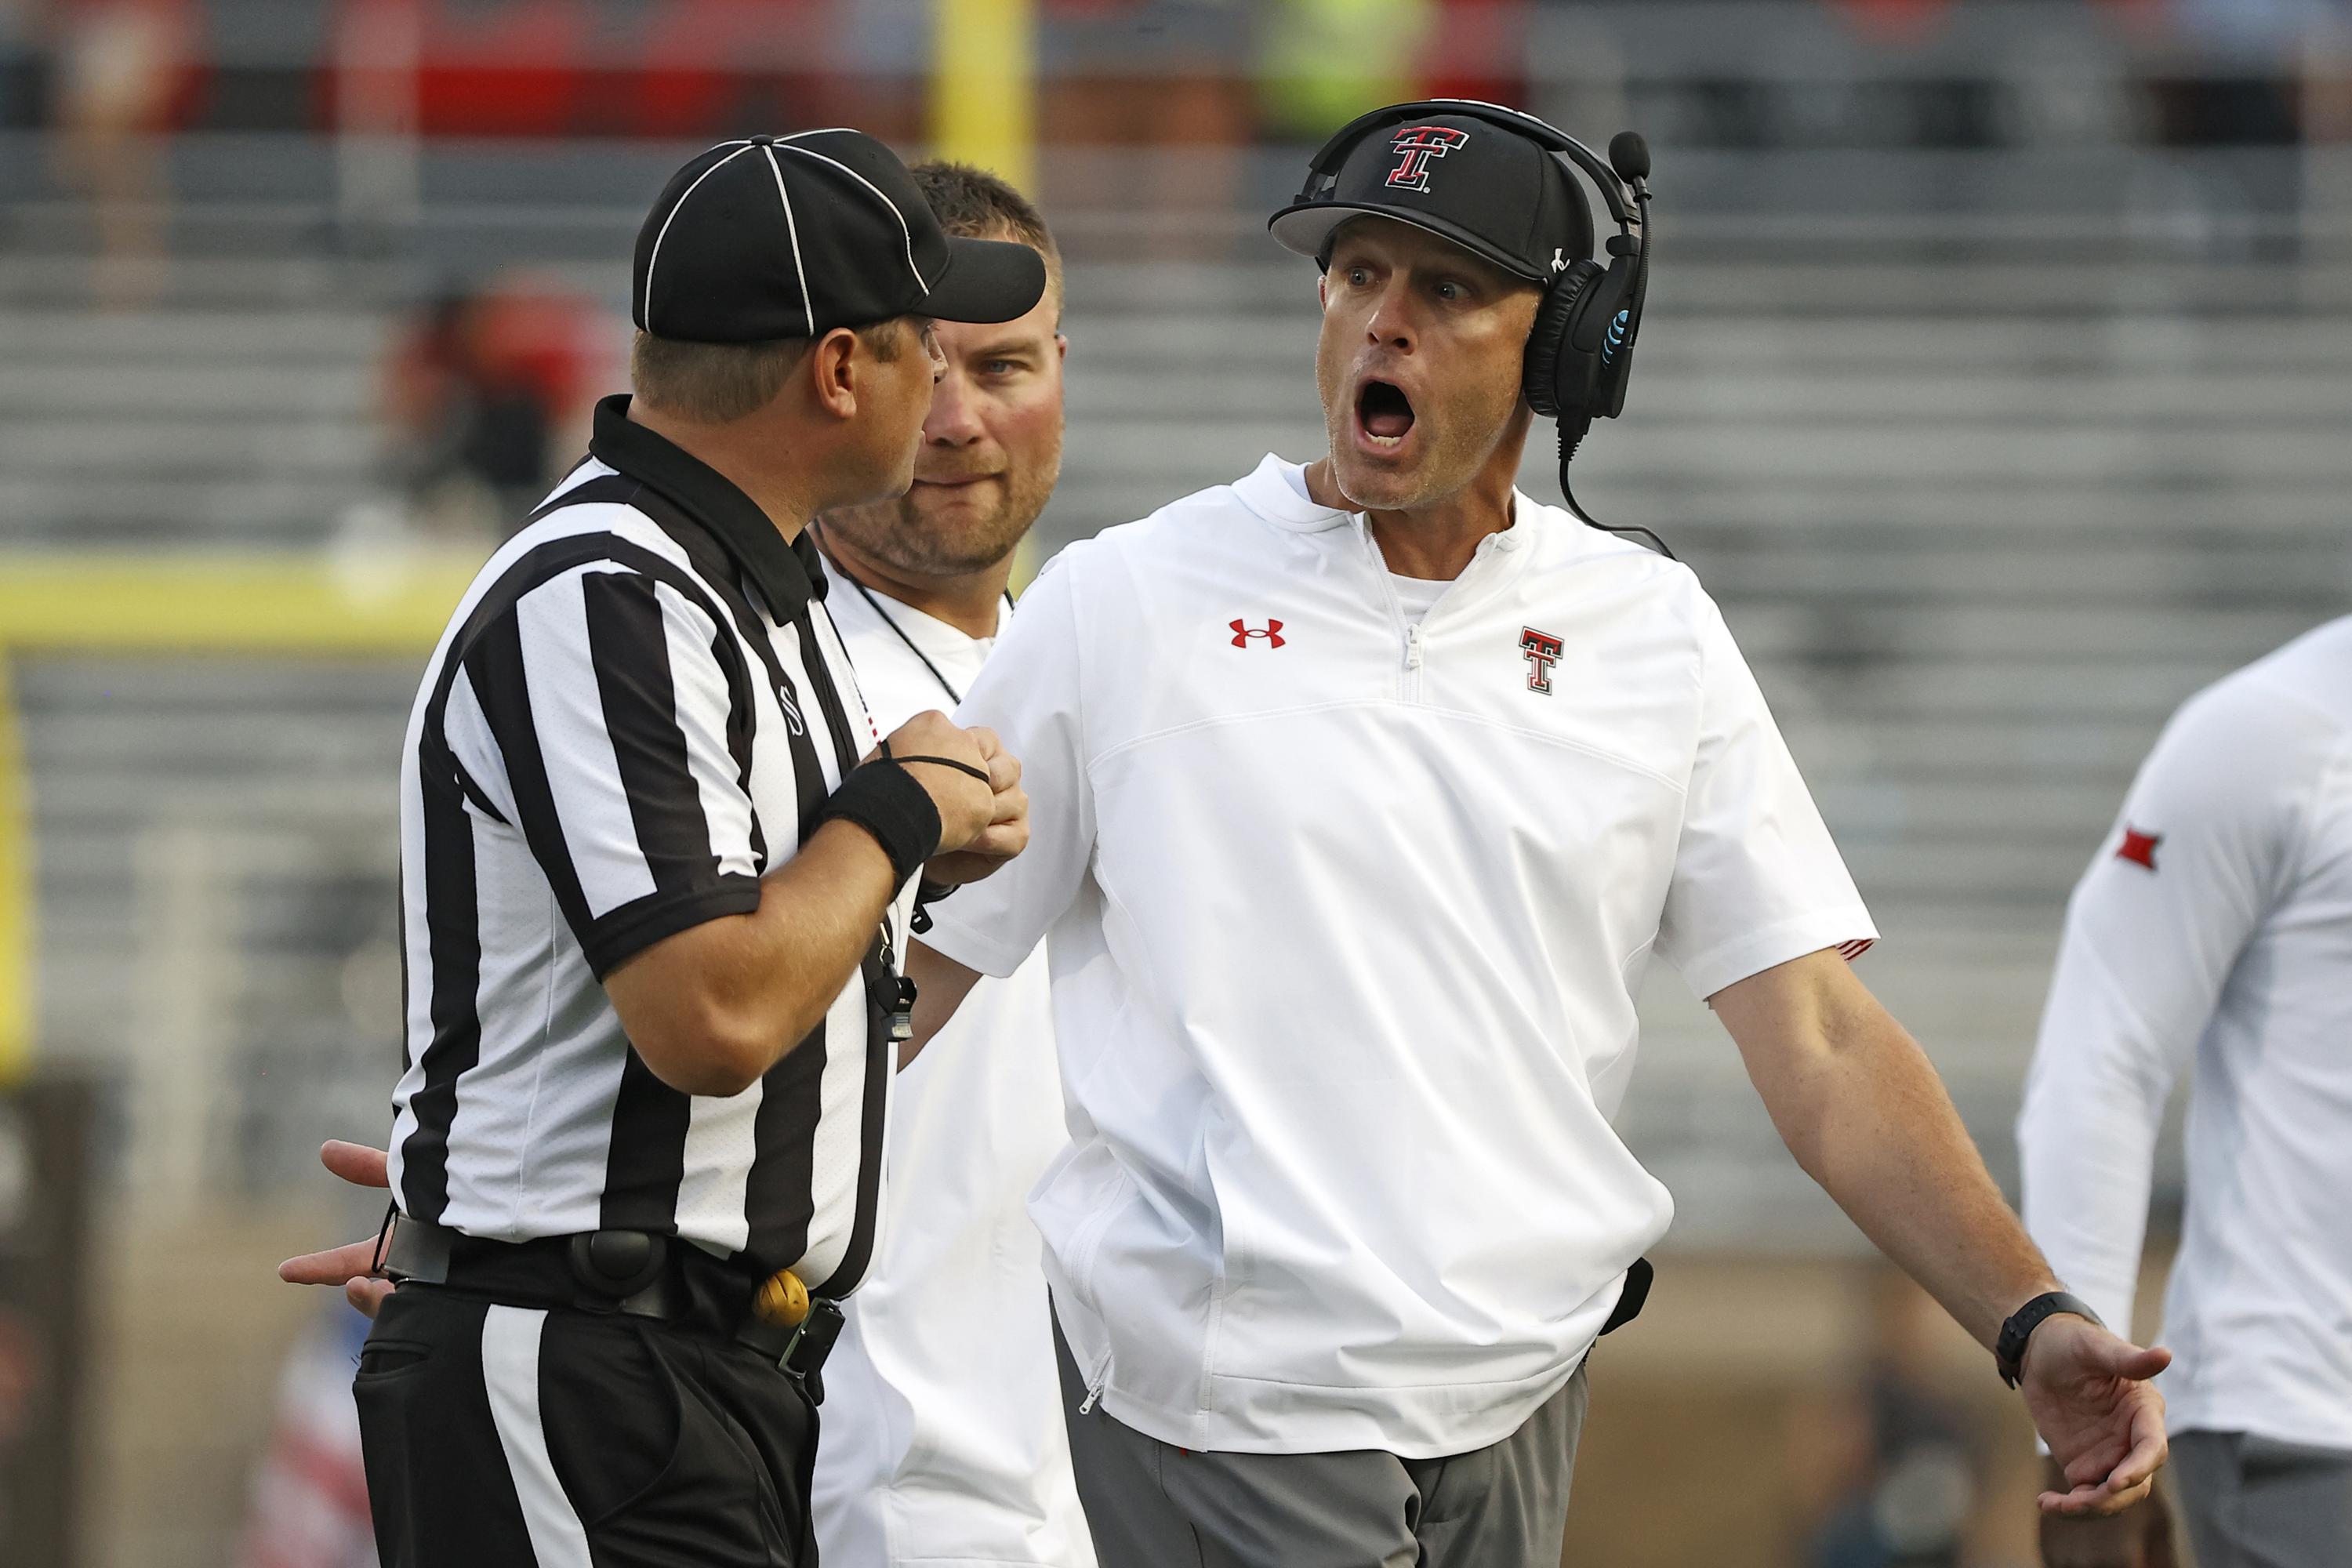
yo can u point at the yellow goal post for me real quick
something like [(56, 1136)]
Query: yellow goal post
[(343, 605)]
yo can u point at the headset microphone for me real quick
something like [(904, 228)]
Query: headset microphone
[(1630, 156)]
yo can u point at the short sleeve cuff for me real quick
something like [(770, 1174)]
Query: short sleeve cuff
[(952, 937), (622, 933), (1847, 928)]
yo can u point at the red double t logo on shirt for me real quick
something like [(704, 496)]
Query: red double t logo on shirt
[(1541, 650)]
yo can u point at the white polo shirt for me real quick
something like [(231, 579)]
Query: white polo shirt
[(2215, 924), (944, 1444), (1346, 918)]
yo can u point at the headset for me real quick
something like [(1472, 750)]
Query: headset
[(1580, 354)]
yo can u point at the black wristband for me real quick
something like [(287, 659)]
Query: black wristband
[(888, 803), (2009, 1349)]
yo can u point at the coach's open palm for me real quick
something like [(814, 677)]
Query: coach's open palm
[(352, 1265), (2089, 1395)]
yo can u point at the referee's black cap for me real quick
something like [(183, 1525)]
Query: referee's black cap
[(1501, 194), (790, 237)]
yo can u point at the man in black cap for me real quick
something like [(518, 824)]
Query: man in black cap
[(653, 906), (1367, 789)]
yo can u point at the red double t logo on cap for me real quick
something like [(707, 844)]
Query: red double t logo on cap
[(1415, 146)]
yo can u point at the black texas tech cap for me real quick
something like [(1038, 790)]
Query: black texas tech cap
[(790, 237), (1468, 179)]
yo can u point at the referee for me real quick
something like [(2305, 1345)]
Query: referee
[(650, 905)]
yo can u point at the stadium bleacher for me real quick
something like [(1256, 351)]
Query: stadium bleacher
[(1980, 524), (1997, 425)]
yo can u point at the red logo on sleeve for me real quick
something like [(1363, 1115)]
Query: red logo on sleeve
[(2139, 847)]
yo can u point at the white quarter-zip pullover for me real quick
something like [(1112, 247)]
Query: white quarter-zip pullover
[(944, 1446), (2216, 921), (1346, 917)]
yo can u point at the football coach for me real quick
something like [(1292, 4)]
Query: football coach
[(651, 906), (1366, 791)]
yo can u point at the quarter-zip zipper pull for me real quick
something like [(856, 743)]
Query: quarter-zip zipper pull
[(1412, 648), (1094, 1392)]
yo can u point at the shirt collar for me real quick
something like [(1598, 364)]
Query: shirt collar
[(788, 574), (1267, 490)]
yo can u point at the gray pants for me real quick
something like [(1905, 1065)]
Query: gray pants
[(2253, 1503), (1152, 1505)]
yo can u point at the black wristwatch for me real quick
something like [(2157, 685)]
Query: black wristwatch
[(2009, 1349)]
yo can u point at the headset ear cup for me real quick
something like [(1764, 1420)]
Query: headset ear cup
[(1616, 362), (1624, 332), (1549, 352)]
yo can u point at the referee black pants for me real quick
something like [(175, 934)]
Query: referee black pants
[(501, 1434)]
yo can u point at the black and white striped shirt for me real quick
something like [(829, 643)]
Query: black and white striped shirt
[(635, 713)]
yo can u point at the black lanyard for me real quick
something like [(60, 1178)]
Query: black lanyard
[(874, 604)]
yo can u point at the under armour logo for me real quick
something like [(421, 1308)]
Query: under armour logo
[(1415, 146), (1541, 650), (1244, 631)]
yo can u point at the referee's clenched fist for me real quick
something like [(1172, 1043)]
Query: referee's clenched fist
[(652, 860), (984, 810)]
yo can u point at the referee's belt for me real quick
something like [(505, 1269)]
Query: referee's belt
[(633, 1272)]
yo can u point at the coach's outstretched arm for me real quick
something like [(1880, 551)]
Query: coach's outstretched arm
[(1860, 1106), (714, 1006)]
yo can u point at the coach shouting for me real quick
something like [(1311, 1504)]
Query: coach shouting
[(650, 905), (1365, 792)]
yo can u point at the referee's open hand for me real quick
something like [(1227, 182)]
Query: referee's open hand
[(352, 1265)]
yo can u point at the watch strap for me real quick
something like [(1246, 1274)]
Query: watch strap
[(2009, 1349)]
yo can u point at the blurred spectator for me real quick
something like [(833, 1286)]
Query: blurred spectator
[(1893, 22), (121, 66), (20, 62), (2262, 58), (483, 395), (1479, 48), (1910, 1480), (309, 1507)]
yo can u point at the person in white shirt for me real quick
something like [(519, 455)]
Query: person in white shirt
[(1363, 794), (2215, 926), (943, 1442)]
